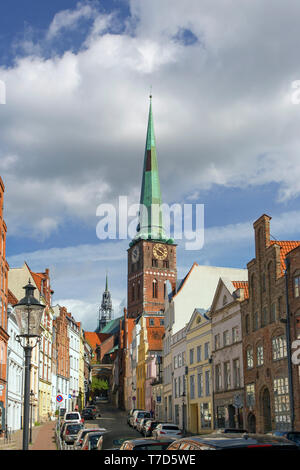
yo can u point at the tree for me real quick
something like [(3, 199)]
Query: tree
[(99, 384)]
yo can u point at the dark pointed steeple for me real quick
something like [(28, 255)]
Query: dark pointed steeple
[(105, 310)]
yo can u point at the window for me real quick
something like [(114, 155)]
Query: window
[(151, 322), (205, 415), (281, 403), (227, 381), (235, 334), (249, 358), (192, 386), (217, 341), (207, 383), (296, 286), (260, 355), (279, 347), (250, 395), (200, 385), (218, 377), (198, 353), (154, 263), (226, 338), (154, 289), (236, 373), (166, 264), (206, 350), (191, 356), (179, 360), (161, 322)]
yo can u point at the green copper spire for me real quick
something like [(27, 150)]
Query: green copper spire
[(106, 283), (150, 219)]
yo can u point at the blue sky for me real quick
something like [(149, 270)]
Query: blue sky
[(73, 130)]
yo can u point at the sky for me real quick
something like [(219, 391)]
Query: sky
[(72, 132)]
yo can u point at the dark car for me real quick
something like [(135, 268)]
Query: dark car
[(144, 444), (218, 441), (91, 440), (93, 408), (88, 414), (293, 436)]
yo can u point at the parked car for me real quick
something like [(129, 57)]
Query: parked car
[(149, 427), (164, 430), (88, 414), (138, 415), (144, 444), (218, 441), (140, 425), (293, 436), (130, 415), (93, 408), (73, 416), (81, 435), (71, 431), (90, 441)]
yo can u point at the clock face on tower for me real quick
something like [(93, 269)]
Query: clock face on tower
[(160, 251), (135, 254)]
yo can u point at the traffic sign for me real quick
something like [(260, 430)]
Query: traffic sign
[(59, 398)]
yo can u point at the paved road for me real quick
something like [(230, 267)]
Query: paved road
[(115, 421)]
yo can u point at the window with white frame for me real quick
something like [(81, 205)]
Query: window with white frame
[(279, 347)]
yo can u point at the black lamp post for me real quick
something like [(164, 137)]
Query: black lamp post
[(31, 405), (29, 313)]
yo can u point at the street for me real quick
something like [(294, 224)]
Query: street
[(115, 421)]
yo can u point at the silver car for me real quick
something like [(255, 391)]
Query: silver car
[(71, 431), (164, 430)]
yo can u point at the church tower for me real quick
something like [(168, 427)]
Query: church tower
[(105, 310), (151, 257)]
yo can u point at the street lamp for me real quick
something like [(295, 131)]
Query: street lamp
[(29, 313), (31, 405)]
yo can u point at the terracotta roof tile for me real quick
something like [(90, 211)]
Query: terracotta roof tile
[(95, 338), (12, 299), (285, 248), (242, 285)]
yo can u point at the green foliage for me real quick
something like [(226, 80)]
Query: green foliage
[(99, 384)]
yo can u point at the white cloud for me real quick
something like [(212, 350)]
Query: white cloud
[(76, 122)]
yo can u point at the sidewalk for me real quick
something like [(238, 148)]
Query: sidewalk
[(43, 438)]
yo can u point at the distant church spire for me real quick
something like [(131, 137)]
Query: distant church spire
[(150, 225), (105, 310)]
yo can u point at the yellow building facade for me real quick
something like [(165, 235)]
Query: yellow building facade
[(199, 376)]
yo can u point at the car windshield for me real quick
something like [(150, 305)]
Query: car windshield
[(94, 439), (171, 428), (72, 416), (74, 428)]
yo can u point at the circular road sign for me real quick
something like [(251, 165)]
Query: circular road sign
[(59, 398)]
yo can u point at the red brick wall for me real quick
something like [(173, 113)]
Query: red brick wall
[(294, 307), (144, 273), (262, 294)]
